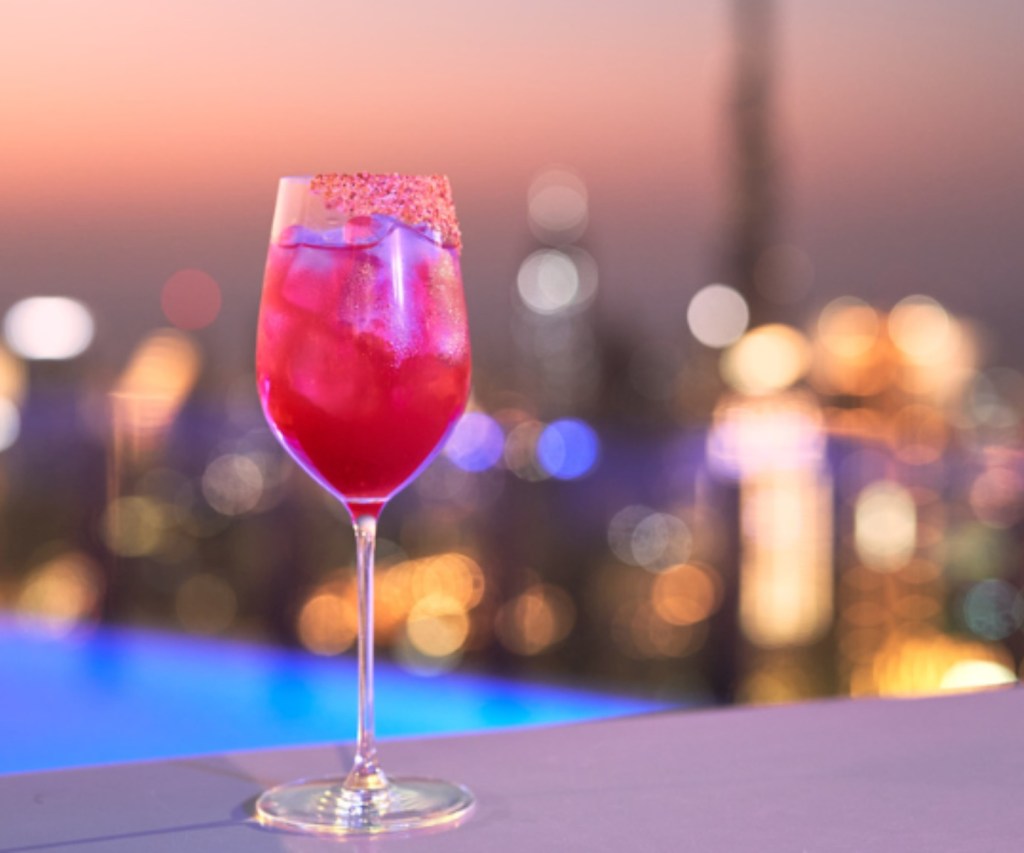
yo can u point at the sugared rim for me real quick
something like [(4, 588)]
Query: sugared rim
[(412, 199)]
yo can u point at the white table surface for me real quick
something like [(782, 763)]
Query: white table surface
[(915, 775)]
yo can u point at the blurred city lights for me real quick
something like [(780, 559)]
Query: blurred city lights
[(993, 609), (976, 551), (717, 316), (134, 526), (642, 633), (970, 675), (152, 388), (50, 328), (551, 280), (233, 484), (766, 359), (521, 451), (12, 377), (568, 449), (786, 571), (535, 620), (10, 423), (885, 526), (190, 299), (748, 435), (920, 327), (63, 592), (437, 626), (329, 620), (686, 594), (997, 497), (920, 434), (557, 206), (927, 662), (453, 575), (476, 443), (848, 327)]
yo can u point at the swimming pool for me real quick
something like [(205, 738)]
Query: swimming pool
[(117, 694)]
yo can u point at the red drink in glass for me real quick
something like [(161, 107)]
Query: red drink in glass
[(362, 356), (362, 362)]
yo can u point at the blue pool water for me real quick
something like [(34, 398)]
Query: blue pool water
[(123, 695)]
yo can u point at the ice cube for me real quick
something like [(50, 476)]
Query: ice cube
[(321, 367), (299, 235), (367, 230), (311, 282), (426, 230)]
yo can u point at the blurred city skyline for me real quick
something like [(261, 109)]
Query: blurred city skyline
[(145, 140), (653, 486)]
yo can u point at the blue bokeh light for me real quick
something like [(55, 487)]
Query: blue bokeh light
[(568, 449), (477, 442)]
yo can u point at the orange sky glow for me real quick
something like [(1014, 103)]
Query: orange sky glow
[(165, 125)]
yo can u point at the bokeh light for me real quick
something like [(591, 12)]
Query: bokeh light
[(927, 662), (568, 449), (10, 423), (476, 443), (920, 327), (641, 536), (551, 281), (233, 484), (437, 626), (134, 525), (48, 328), (971, 675), (993, 609), (521, 451), (848, 327), (751, 435), (13, 378), (190, 299), (686, 594), (557, 206), (329, 620), (997, 497), (766, 359), (717, 316), (536, 619), (885, 526), (62, 593), (159, 376)]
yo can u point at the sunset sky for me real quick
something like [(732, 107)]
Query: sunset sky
[(139, 139)]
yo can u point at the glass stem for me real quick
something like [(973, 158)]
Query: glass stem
[(366, 779)]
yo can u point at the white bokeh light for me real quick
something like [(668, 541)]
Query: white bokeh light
[(10, 423), (717, 316), (48, 328), (557, 205), (551, 281)]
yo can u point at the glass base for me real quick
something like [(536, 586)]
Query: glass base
[(324, 806)]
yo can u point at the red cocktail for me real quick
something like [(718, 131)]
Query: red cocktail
[(362, 361)]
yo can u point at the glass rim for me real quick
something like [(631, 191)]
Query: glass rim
[(415, 199)]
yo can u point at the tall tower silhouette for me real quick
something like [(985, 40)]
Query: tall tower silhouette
[(753, 201)]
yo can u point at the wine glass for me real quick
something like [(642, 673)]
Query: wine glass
[(362, 362)]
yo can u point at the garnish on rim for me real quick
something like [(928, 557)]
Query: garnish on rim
[(413, 199)]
